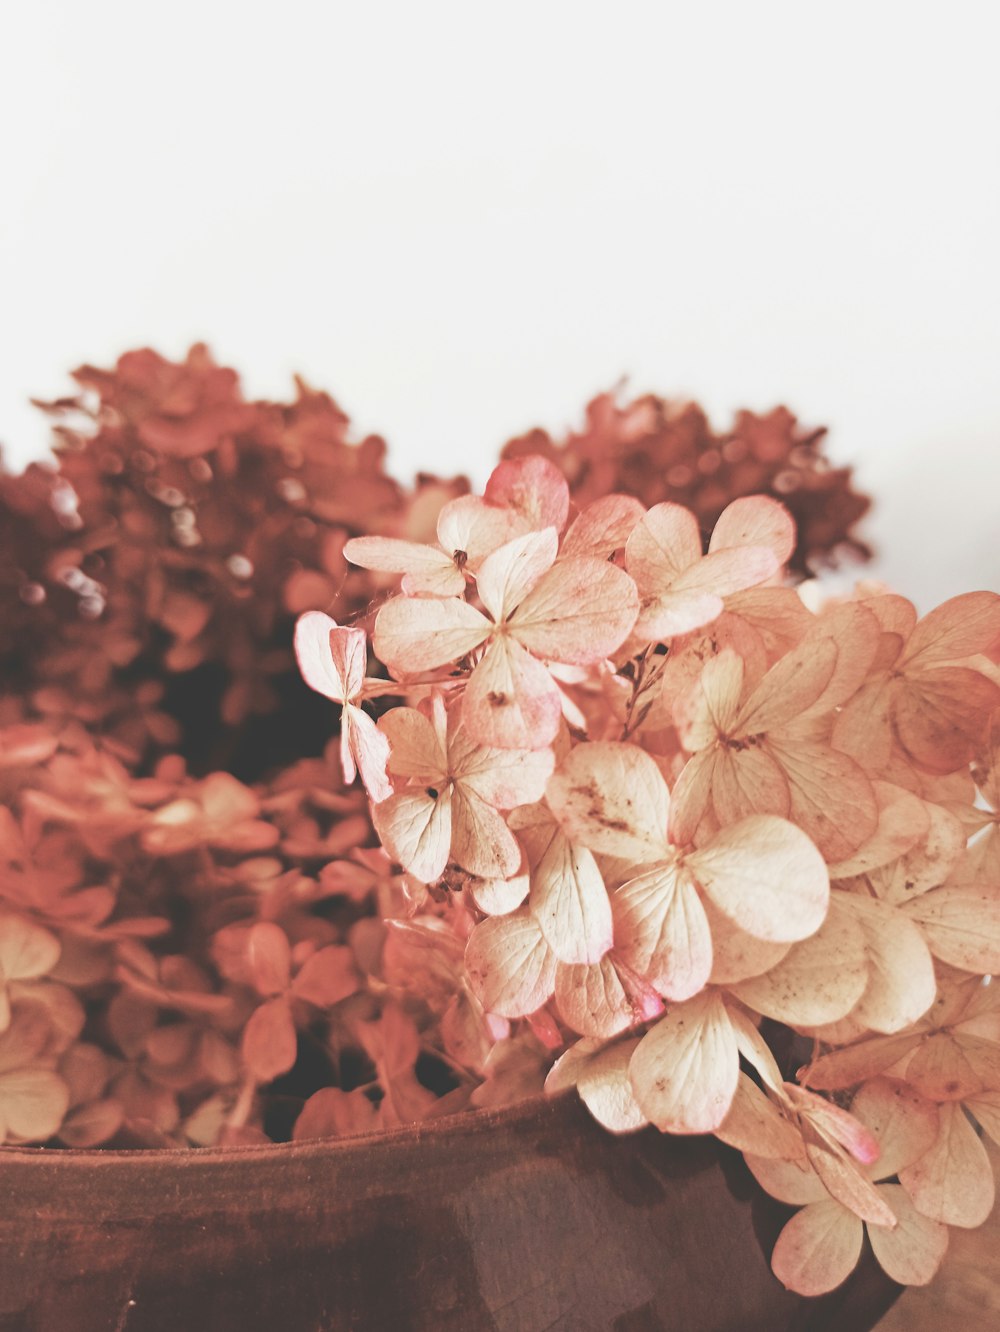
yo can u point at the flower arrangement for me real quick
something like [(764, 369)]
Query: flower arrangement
[(637, 815)]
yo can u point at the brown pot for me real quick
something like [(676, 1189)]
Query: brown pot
[(519, 1220)]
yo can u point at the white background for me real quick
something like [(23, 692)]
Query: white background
[(465, 219)]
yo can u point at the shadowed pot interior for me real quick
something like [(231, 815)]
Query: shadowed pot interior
[(523, 1219)]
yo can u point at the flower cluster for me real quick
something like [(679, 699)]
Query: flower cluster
[(678, 806), (636, 815)]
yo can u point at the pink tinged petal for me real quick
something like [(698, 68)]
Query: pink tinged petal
[(427, 569), (961, 627), (754, 1049), (511, 701), (327, 977), (612, 798), (754, 1124), (724, 572), (416, 634), (672, 614), (953, 1066), (912, 1252), (269, 1045), (766, 876), (499, 897), (834, 1124), (855, 630), (901, 982), (789, 688), (33, 1103), (985, 1107), (603, 526), (792, 1180), (662, 932), (953, 1181), (940, 714), (685, 1069), (930, 862), (471, 527), (662, 545), (369, 751), (863, 729), (691, 799), (511, 968), (844, 1180), (859, 1062), (595, 1000), (961, 926), (756, 520), (903, 821), (504, 778), (481, 842), (533, 487), (578, 613), (736, 955), (415, 828), (709, 710), (269, 957), (748, 781), (337, 676), (904, 1122), (818, 1249), (570, 903), (26, 949), (415, 750), (819, 980), (508, 575), (832, 800), (600, 1075)]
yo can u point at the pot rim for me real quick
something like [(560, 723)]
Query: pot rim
[(463, 1122)]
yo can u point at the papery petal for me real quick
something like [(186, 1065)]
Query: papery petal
[(755, 1124), (331, 658), (766, 876), (534, 488), (594, 1000), (844, 1180), (427, 569), (903, 820), (511, 701), (723, 572), (612, 798), (901, 982), (481, 842), (863, 728), (904, 1122), (951, 1066), (662, 545), (662, 932), (472, 527), (961, 627), (756, 520), (415, 829), (570, 903), (914, 1249), (600, 1075), (685, 1069), (818, 1249), (831, 798), (961, 926), (819, 980), (508, 575), (859, 1062), (953, 1181), (940, 714), (792, 1180), (603, 526), (504, 778), (415, 750), (748, 781), (369, 750), (709, 710), (415, 634), (736, 955), (578, 613), (670, 614), (789, 688), (511, 968), (499, 897)]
